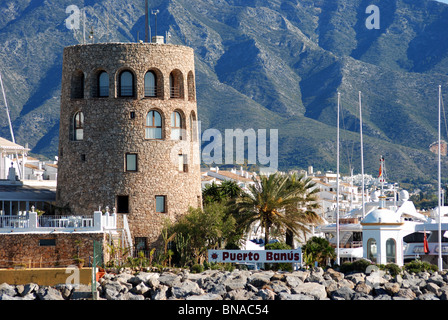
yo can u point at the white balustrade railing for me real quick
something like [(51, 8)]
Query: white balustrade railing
[(31, 222)]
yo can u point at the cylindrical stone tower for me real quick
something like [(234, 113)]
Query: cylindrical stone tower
[(128, 135)]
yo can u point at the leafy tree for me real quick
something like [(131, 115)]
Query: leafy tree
[(205, 229), (277, 201), (227, 190), (318, 249)]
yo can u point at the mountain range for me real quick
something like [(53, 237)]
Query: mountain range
[(261, 64)]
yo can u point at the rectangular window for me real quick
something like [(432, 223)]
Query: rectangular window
[(182, 163), (161, 204), (47, 242), (131, 162), (123, 204), (140, 244)]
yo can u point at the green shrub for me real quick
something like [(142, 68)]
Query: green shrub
[(318, 249), (392, 268), (417, 266), (197, 268), (355, 266)]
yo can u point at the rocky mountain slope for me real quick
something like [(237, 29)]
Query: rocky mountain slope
[(261, 64)]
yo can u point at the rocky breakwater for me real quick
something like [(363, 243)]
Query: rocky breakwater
[(315, 284)]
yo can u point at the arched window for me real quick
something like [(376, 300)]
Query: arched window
[(77, 87), (150, 84), (193, 127), (126, 84), (176, 84), (153, 125), (78, 126), (176, 126), (372, 250), (103, 84), (391, 249)]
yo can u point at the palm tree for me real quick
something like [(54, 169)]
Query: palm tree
[(281, 201), (307, 196)]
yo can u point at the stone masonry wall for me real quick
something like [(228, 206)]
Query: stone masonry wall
[(91, 172), (26, 250)]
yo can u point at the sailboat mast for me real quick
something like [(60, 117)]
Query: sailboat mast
[(7, 110), (337, 188), (440, 264), (10, 125), (362, 158)]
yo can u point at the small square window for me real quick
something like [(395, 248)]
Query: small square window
[(132, 115), (83, 157), (161, 204), (131, 162)]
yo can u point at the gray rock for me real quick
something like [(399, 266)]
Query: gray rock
[(406, 293), (48, 293), (293, 280), (185, 289), (356, 277), (160, 293), (169, 279), (207, 296), (259, 279), (279, 286), (433, 288), (383, 297), (81, 292), (335, 275), (6, 289), (266, 294), (444, 293), (436, 279), (140, 289), (235, 283), (302, 275), (238, 294), (135, 297), (29, 288), (288, 296), (362, 296), (343, 293), (428, 296), (392, 288), (311, 288), (214, 288), (363, 288)]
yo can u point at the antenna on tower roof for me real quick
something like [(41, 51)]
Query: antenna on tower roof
[(155, 12), (146, 21)]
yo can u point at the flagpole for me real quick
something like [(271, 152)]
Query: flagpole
[(362, 158), (338, 259), (440, 264)]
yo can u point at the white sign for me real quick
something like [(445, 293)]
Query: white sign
[(255, 256)]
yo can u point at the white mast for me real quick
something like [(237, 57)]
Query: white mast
[(440, 264), (362, 157), (10, 126), (337, 188)]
